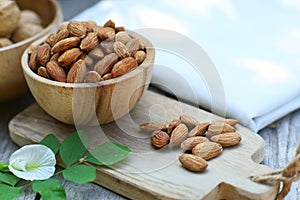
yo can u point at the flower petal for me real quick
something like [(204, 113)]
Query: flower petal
[(40, 161), (41, 173)]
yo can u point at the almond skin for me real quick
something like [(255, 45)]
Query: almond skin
[(77, 29), (89, 42), (33, 63), (43, 54), (140, 56), (193, 163), (191, 142), (65, 44), (124, 66), (77, 72), (231, 122), (120, 49), (159, 139), (56, 72), (106, 64), (227, 139), (92, 76), (106, 33), (189, 121), (42, 71), (200, 129), (178, 135), (207, 150), (216, 128), (69, 57), (123, 37), (133, 45), (152, 126), (172, 125)]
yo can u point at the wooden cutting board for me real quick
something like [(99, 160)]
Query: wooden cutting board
[(149, 173)]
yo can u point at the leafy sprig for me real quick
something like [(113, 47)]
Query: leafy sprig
[(77, 159)]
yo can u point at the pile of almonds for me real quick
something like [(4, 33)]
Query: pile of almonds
[(85, 52), (16, 24), (200, 141)]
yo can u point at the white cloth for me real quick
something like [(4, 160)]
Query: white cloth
[(255, 46)]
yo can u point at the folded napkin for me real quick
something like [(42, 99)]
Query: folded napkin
[(249, 67)]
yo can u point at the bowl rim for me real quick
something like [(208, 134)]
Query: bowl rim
[(57, 18), (149, 61)]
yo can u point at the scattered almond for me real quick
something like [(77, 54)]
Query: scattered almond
[(216, 128), (173, 124), (193, 163), (159, 138), (191, 142), (178, 135), (152, 126), (199, 129), (189, 121), (207, 150), (227, 139)]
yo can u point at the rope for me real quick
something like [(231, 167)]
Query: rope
[(282, 178)]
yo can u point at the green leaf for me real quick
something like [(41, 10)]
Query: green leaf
[(9, 178), (80, 174), (3, 167), (108, 154), (50, 189), (73, 147), (52, 142), (9, 193)]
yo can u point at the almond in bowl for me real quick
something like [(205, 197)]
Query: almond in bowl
[(86, 74)]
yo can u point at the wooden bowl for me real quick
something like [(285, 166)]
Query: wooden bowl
[(12, 82), (91, 103)]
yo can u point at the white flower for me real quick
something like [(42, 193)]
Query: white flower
[(33, 162)]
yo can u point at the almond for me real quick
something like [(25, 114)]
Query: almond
[(33, 63), (69, 56), (191, 142), (89, 42), (96, 53), (42, 71), (5, 42), (227, 139), (109, 23), (193, 163), (178, 135), (65, 44), (77, 72), (207, 150), (120, 49), (133, 46), (91, 26), (106, 33), (107, 76), (172, 125), (124, 66), (152, 126), (231, 122), (123, 37), (87, 59), (159, 139), (106, 64), (55, 57), (92, 76), (107, 46), (56, 72), (43, 54), (52, 39), (119, 28), (200, 129), (140, 56), (216, 128), (189, 121), (77, 29)]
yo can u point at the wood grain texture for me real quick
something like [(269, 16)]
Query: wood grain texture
[(156, 174)]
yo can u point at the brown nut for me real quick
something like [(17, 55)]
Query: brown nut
[(65, 44), (189, 121), (193, 163), (56, 72), (200, 129), (124, 66), (9, 18), (140, 56), (29, 16), (89, 42), (227, 139), (92, 76), (43, 54), (216, 128), (178, 135), (191, 142), (120, 49), (77, 29), (106, 64), (152, 126), (77, 72), (5, 42), (207, 150), (123, 37), (159, 139), (42, 71), (69, 57), (106, 33), (25, 31)]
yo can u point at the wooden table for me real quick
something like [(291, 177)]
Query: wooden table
[(281, 140)]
